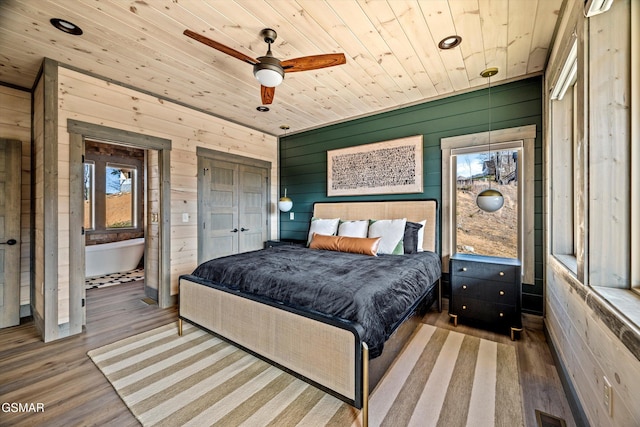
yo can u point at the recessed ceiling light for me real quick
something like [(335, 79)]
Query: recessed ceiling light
[(450, 42), (66, 26), (262, 109)]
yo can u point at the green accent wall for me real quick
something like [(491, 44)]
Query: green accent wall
[(303, 156)]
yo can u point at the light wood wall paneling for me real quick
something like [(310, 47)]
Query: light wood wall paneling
[(610, 174), (591, 338), (51, 315)]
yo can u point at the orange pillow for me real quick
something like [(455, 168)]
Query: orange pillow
[(355, 245)]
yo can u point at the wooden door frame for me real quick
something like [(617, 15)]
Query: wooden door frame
[(210, 154), (78, 132)]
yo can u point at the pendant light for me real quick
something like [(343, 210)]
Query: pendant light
[(490, 200), (285, 203)]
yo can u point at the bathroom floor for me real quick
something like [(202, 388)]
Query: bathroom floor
[(114, 279)]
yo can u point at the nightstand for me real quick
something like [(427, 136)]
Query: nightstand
[(486, 289), (284, 242)]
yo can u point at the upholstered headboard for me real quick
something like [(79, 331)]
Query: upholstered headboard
[(413, 210)]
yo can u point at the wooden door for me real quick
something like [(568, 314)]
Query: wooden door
[(218, 209), (252, 208), (10, 177), (232, 208)]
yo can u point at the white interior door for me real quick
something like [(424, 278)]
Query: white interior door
[(10, 177)]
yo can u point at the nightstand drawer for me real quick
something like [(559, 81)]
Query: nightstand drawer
[(483, 311), (487, 271), (484, 290)]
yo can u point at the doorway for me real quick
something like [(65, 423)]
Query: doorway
[(155, 215), (115, 201)]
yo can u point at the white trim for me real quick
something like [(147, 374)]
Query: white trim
[(568, 75), (525, 137)]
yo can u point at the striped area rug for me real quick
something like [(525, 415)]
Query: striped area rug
[(442, 378)]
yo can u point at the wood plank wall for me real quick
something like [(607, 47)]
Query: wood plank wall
[(589, 335), (303, 156), (89, 99), (15, 123)]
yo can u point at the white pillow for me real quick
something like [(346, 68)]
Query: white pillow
[(353, 228), (421, 235), (328, 227), (391, 232)]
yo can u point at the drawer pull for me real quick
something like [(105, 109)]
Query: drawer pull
[(502, 273), (501, 292), (464, 286), (464, 307), (464, 268), (501, 314)]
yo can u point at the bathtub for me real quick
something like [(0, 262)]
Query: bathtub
[(116, 257)]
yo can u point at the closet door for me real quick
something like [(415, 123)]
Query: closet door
[(218, 209), (252, 208), (233, 209)]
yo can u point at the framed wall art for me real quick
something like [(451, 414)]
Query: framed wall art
[(388, 167)]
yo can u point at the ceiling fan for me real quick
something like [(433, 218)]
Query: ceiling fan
[(268, 69)]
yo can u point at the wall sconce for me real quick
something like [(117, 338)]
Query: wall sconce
[(285, 204)]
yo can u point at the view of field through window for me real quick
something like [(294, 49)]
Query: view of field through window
[(479, 232), (119, 197)]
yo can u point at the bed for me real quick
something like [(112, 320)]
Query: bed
[(335, 344)]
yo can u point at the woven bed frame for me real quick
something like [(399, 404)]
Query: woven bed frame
[(322, 351)]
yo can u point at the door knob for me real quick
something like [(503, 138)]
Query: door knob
[(235, 230), (9, 242), (244, 229)]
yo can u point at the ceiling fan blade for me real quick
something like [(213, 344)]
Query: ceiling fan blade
[(267, 94), (313, 62), (219, 46)]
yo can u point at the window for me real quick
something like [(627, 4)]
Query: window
[(565, 170), (478, 232), (113, 191), (120, 196), (505, 145), (89, 195)]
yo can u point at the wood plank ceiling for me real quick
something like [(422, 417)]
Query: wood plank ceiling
[(391, 46)]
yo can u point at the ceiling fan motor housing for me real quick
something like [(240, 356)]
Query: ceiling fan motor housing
[(268, 71)]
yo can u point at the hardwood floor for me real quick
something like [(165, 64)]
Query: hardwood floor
[(62, 377), (60, 374), (539, 380)]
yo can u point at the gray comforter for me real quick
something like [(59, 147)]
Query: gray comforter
[(374, 292)]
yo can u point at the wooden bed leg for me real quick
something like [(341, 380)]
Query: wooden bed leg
[(440, 295), (179, 326), (365, 385)]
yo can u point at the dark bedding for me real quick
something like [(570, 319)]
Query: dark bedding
[(374, 292)]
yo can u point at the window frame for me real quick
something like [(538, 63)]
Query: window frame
[(92, 194), (524, 135)]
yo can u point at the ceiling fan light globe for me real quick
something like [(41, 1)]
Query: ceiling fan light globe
[(268, 77), (490, 200)]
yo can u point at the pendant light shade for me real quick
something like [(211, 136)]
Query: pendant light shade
[(490, 200), (285, 203)]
